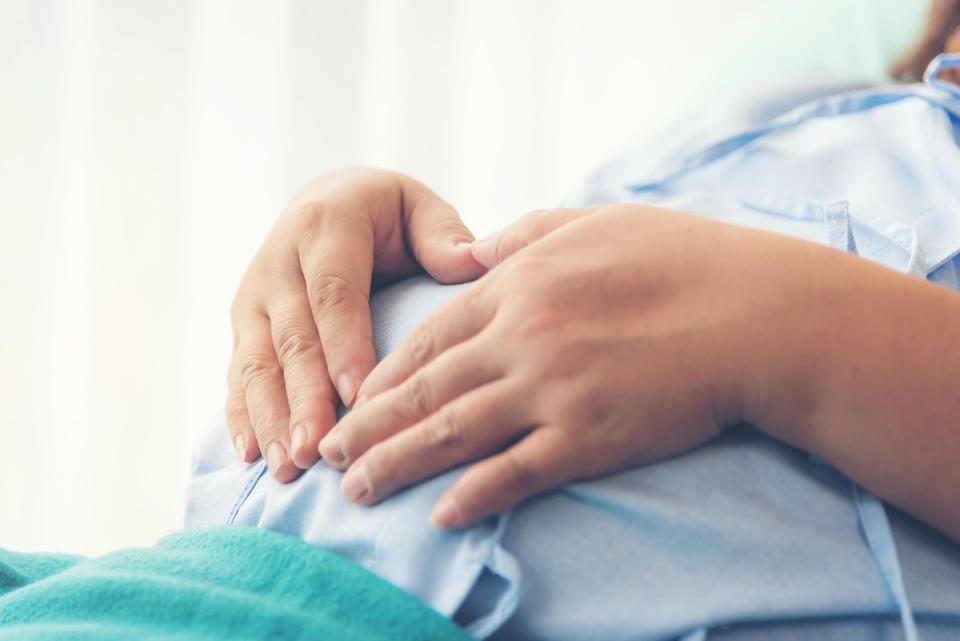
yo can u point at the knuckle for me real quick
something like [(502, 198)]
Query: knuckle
[(418, 396), (320, 198), (294, 343), (301, 404), (269, 423), (443, 429), (236, 412), (422, 344), (520, 476), (255, 369), (536, 323), (309, 214), (474, 295), (307, 222), (476, 298), (331, 292)]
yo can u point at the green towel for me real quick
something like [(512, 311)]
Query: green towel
[(221, 583)]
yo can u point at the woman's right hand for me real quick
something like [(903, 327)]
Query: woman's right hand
[(301, 316)]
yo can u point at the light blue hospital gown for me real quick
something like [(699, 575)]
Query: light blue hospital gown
[(744, 538)]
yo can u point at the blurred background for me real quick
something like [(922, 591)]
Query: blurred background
[(147, 147)]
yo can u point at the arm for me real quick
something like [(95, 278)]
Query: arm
[(882, 365), (628, 334)]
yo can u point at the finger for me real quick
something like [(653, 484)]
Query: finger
[(336, 258), (542, 460), (468, 427), (311, 397), (263, 387), (437, 237), (238, 420), (495, 249), (460, 318), (463, 368)]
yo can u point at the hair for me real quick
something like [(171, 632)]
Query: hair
[(943, 20)]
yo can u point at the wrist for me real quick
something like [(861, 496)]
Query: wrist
[(797, 339)]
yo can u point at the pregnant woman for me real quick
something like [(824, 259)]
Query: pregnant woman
[(722, 375), (712, 397)]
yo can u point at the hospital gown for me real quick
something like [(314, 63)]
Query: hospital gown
[(742, 538)]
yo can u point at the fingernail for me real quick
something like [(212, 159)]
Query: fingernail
[(276, 456), (463, 245), (355, 485), (479, 248), (347, 387), (241, 446), (297, 438), (445, 514), (331, 449)]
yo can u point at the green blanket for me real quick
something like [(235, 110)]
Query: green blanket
[(222, 583)]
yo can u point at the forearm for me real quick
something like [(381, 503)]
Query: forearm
[(881, 354)]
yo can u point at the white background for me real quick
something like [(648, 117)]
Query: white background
[(146, 147)]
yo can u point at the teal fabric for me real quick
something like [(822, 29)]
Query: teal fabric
[(220, 583)]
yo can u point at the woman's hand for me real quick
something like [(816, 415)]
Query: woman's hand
[(611, 337), (301, 316)]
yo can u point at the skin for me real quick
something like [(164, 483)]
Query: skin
[(941, 34), (544, 376), (952, 46), (301, 318), (523, 376)]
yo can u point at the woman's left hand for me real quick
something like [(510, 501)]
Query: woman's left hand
[(611, 337)]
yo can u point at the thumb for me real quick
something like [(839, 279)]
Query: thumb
[(531, 227), (437, 237)]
